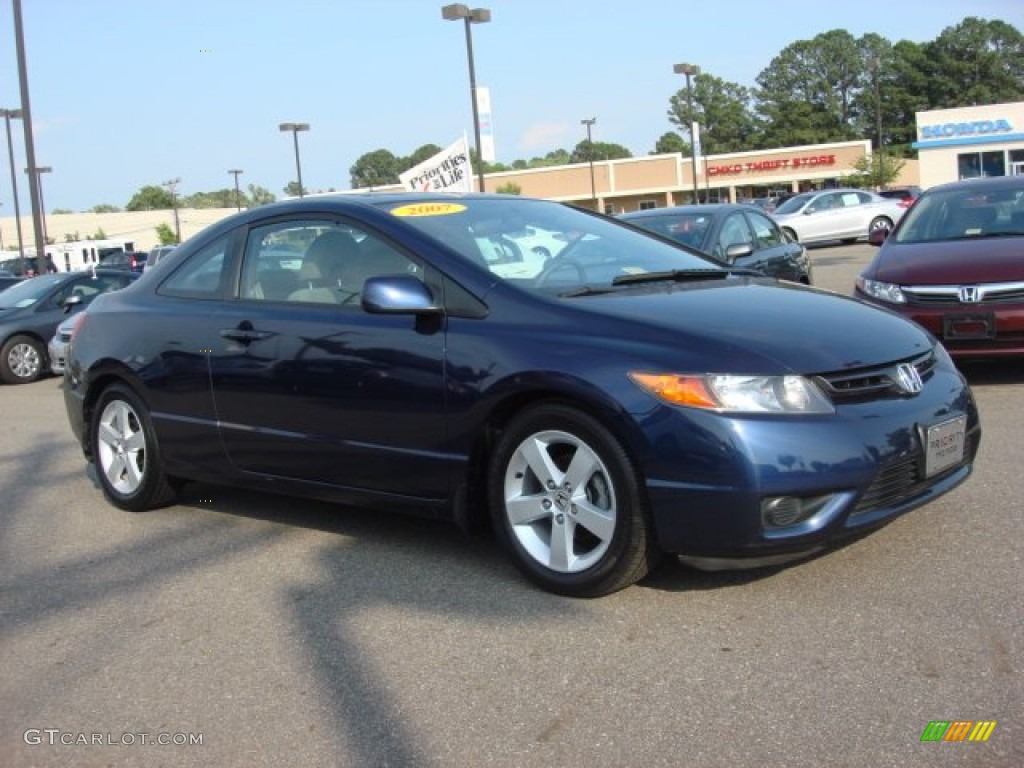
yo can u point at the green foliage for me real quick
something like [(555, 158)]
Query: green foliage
[(601, 151), (258, 196), (723, 111), (221, 198), (150, 198), (105, 208), (510, 188), (58, 211), (671, 142), (375, 169), (99, 234), (875, 171), (165, 234)]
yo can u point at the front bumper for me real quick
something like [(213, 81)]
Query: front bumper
[(710, 476)]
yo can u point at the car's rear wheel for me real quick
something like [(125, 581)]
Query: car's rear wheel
[(126, 452), (569, 504), (22, 360), (880, 223)]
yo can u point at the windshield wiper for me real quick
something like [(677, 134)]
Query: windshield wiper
[(583, 290), (681, 275)]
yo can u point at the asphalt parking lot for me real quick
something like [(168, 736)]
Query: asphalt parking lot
[(286, 633)]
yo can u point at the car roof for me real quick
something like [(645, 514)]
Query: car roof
[(987, 183)]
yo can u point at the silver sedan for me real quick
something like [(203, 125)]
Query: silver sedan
[(836, 214)]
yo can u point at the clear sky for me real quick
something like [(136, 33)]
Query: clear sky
[(126, 93)]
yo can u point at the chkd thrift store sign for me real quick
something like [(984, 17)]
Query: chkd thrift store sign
[(797, 163)]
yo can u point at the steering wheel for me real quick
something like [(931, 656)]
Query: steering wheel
[(557, 264)]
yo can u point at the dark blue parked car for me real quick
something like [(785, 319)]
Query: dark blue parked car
[(602, 395)]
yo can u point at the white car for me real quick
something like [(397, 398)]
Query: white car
[(836, 214)]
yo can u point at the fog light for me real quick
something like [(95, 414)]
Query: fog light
[(785, 511)]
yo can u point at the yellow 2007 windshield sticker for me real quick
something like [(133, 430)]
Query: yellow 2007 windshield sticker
[(428, 209)]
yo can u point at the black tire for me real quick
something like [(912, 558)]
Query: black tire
[(608, 539), (22, 360), (126, 453), (880, 222)]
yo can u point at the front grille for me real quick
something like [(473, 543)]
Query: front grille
[(901, 481), (985, 294), (877, 381)]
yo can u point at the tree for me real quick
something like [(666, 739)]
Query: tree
[(976, 62), (150, 198), (877, 170), (259, 196), (807, 93), (292, 189), (425, 152), (58, 211), (510, 189), (601, 151), (723, 111), (105, 208), (221, 198), (671, 142), (375, 169), (165, 234)]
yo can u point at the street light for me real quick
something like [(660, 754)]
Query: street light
[(691, 70), (590, 155), (454, 12), (295, 128), (16, 114), (40, 170), (238, 194)]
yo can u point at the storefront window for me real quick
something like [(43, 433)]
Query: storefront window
[(971, 165)]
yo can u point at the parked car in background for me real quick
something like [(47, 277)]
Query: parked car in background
[(31, 311), (7, 279), (156, 255), (905, 195), (736, 234), (130, 260), (628, 398), (848, 215), (955, 265)]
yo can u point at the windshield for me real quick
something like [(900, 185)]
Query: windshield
[(794, 204), (961, 212), (28, 292), (547, 247)]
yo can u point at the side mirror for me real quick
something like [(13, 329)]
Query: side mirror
[(738, 250), (877, 236), (398, 295), (71, 302)]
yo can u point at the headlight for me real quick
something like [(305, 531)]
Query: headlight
[(876, 289), (735, 393)]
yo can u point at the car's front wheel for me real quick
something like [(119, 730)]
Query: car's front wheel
[(569, 504), (126, 452), (22, 360), (879, 223)]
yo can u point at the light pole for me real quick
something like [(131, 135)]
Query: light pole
[(40, 170), (691, 70), (30, 147), (238, 194), (295, 128), (590, 155), (878, 118), (172, 186), (8, 114), (454, 12)]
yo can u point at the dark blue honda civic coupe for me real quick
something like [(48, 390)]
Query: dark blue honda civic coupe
[(600, 395)]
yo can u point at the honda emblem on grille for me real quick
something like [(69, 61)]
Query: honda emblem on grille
[(908, 379), (969, 294)]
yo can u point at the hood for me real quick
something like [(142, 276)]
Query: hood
[(950, 262), (759, 326)]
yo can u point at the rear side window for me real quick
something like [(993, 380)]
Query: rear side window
[(203, 276)]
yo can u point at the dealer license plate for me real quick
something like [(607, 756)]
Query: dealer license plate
[(944, 445)]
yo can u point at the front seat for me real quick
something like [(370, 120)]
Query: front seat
[(326, 258)]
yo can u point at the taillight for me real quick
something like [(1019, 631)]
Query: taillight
[(77, 324), (906, 202)]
